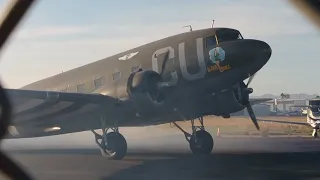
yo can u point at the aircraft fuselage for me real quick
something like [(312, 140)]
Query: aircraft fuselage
[(201, 67)]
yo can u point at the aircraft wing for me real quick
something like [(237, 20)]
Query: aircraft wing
[(259, 100), (58, 96), (302, 106), (284, 122), (42, 113)]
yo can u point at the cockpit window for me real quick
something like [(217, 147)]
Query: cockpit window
[(228, 36), (240, 36), (315, 109), (211, 41)]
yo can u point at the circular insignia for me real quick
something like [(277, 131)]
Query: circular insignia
[(217, 54)]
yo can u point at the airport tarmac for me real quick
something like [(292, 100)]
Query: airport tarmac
[(169, 157)]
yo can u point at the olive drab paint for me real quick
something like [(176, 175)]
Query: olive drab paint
[(155, 66), (182, 61), (200, 57)]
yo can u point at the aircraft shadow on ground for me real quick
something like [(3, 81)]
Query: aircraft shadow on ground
[(226, 166), (157, 165)]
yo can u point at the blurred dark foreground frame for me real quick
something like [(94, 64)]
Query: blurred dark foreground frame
[(16, 9), (13, 15), (310, 8)]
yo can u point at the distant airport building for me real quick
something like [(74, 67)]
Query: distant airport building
[(283, 105), (274, 107), (299, 102)]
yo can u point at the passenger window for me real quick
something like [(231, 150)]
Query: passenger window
[(116, 76), (98, 83), (211, 41), (64, 90), (81, 88)]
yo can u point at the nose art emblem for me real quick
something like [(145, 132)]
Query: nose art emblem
[(218, 60)]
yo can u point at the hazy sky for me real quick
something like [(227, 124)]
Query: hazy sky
[(59, 35)]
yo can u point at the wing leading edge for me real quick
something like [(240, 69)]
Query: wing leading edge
[(259, 100), (61, 96)]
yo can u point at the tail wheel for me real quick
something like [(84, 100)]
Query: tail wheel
[(202, 144), (116, 146)]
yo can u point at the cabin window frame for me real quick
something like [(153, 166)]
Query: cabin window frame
[(116, 78), (96, 80), (84, 87), (64, 89)]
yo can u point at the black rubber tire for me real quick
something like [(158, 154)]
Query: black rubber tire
[(117, 146), (205, 144)]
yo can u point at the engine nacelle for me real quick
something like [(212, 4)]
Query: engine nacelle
[(234, 99), (227, 102), (143, 87)]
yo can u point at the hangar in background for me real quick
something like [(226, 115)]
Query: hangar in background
[(283, 105)]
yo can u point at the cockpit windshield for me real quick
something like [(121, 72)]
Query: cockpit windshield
[(315, 110), (228, 35), (223, 35), (315, 107)]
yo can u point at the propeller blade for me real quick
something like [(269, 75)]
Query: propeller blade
[(252, 116), (165, 60), (250, 79)]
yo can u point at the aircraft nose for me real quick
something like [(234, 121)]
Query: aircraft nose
[(255, 53), (260, 52), (261, 55), (264, 50)]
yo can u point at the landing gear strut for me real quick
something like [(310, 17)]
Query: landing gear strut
[(200, 141), (113, 145), (315, 133)]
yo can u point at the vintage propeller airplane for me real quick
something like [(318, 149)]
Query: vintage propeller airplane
[(181, 77)]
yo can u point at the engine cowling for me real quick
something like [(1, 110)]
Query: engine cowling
[(241, 92), (143, 87), (233, 99)]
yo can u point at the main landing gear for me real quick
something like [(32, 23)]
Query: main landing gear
[(200, 141), (112, 145)]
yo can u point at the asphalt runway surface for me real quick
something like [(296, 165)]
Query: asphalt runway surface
[(169, 157)]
